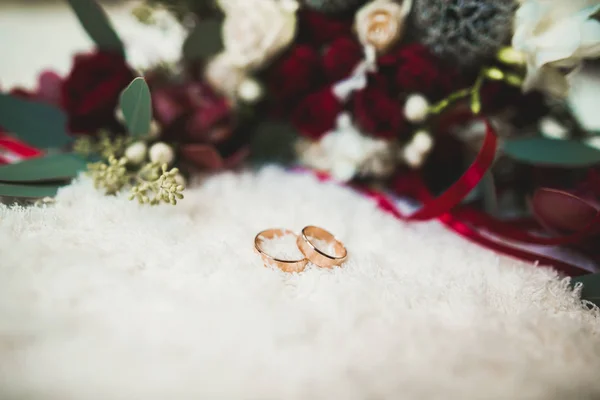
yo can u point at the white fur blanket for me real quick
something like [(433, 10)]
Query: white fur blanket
[(102, 299)]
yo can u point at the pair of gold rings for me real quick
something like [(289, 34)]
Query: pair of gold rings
[(307, 243)]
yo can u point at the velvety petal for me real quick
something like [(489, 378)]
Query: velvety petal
[(295, 74), (202, 156), (340, 58), (590, 39), (91, 91), (317, 114), (378, 114)]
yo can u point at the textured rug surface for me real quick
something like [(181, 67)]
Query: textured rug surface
[(103, 299)]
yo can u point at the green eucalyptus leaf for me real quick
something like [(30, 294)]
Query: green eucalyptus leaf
[(204, 41), (97, 25), (552, 152), (136, 104), (591, 287), (13, 190), (56, 167), (40, 125)]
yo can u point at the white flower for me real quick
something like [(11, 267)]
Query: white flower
[(345, 152), (555, 34), (254, 31), (380, 23), (148, 45)]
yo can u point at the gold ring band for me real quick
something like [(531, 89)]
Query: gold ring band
[(314, 254), (268, 260)]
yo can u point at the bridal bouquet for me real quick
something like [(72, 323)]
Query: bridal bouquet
[(457, 104)]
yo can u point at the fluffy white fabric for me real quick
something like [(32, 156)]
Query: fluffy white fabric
[(103, 299)]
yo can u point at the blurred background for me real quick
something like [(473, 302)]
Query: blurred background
[(44, 34)]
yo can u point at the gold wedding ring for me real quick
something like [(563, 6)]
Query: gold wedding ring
[(306, 243), (284, 265)]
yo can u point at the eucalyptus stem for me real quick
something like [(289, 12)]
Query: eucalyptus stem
[(474, 92), (445, 103)]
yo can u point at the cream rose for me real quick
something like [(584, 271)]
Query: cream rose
[(380, 23), (254, 31), (223, 76), (555, 35)]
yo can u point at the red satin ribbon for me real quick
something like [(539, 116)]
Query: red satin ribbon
[(433, 208), (19, 148), (464, 229), (468, 223), (506, 230)]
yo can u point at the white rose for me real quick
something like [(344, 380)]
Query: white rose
[(555, 34), (254, 31)]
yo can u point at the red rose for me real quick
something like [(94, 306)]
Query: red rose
[(296, 74), (201, 122), (377, 113), (340, 58), (319, 29), (317, 113), (413, 69), (91, 92)]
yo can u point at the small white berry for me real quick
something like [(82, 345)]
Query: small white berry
[(119, 115), (154, 129), (162, 153), (416, 108), (422, 141), (136, 153), (412, 156), (250, 90), (551, 128)]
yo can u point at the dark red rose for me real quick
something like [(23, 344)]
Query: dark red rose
[(377, 113), (317, 113), (201, 122), (340, 58), (320, 29), (413, 69), (297, 73), (91, 92), (198, 112), (401, 53)]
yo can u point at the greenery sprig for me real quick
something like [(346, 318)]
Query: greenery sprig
[(126, 163), (507, 56), (164, 189)]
